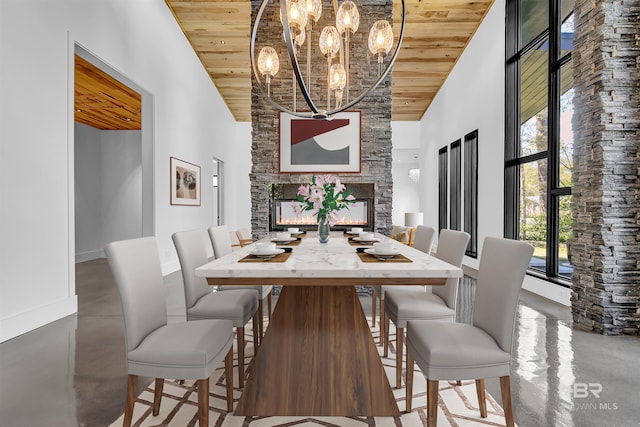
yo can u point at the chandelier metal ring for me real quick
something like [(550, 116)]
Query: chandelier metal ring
[(289, 42)]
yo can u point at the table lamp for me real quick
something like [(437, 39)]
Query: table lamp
[(412, 219)]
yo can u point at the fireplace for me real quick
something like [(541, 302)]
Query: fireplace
[(282, 216)]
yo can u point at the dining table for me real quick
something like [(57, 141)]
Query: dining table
[(318, 356)]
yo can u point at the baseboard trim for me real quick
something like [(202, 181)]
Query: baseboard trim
[(90, 255), (36, 317), (548, 290)]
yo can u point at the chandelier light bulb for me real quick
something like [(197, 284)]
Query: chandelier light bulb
[(296, 14), (314, 10), (299, 37), (268, 62), (348, 17), (380, 38), (338, 77), (268, 65), (329, 41)]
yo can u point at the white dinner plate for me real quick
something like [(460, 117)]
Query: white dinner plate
[(289, 240), (374, 252), (266, 255), (361, 240)]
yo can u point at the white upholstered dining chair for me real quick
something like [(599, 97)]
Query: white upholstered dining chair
[(237, 305), (423, 242), (222, 246), (244, 236), (155, 348), (235, 242), (401, 305), (447, 350)]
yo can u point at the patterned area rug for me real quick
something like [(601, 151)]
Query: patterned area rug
[(457, 405)]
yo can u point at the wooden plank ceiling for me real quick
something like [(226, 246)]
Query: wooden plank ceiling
[(103, 102), (436, 33)]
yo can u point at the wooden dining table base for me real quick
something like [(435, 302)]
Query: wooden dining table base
[(318, 358)]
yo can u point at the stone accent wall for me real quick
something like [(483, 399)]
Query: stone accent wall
[(376, 116), (606, 184)]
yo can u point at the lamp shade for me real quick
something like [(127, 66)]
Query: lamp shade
[(348, 17), (338, 77), (268, 62), (314, 10), (380, 38), (412, 219), (329, 41)]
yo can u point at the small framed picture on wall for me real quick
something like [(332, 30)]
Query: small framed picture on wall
[(185, 183)]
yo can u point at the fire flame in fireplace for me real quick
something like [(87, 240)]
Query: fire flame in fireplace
[(312, 220), (355, 215)]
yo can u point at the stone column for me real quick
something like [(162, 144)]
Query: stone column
[(376, 158), (606, 187)]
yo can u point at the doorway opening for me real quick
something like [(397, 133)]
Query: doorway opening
[(111, 172), (113, 157)]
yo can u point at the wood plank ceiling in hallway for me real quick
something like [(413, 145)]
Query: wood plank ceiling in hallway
[(101, 101), (436, 33)]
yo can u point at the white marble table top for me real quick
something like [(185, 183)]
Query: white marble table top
[(335, 259)]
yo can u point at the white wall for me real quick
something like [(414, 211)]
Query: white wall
[(238, 189), (121, 185), (88, 199), (108, 188), (405, 136), (473, 97), (142, 41)]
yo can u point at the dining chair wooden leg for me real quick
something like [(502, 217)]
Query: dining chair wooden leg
[(482, 402), (261, 319), (240, 338), (255, 334), (203, 402), (409, 394), (399, 350), (432, 403), (269, 305), (505, 391), (373, 310), (387, 325), (132, 384), (228, 373), (157, 396)]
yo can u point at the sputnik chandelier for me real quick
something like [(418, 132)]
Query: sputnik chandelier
[(332, 53)]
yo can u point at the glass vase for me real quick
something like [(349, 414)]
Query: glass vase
[(323, 231)]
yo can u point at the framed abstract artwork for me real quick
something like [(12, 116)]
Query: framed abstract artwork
[(185, 183), (311, 145)]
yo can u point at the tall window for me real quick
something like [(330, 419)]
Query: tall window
[(443, 186), (539, 141), (471, 191), (455, 189)]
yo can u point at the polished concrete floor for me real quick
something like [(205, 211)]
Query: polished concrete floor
[(72, 372)]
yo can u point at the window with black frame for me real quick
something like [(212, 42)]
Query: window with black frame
[(455, 183), (470, 173), (443, 184), (538, 134)]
